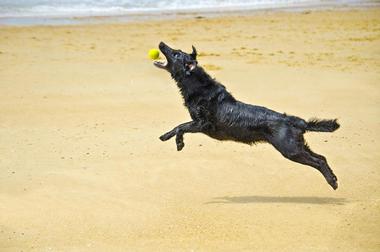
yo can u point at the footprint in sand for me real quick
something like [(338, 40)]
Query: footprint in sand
[(243, 51), (361, 39), (204, 54), (212, 67)]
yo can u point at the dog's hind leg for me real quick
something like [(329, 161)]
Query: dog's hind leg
[(179, 131), (290, 143), (306, 158), (326, 170)]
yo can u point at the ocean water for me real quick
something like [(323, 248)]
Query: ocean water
[(19, 11)]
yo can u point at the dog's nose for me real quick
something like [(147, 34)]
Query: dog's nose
[(161, 45)]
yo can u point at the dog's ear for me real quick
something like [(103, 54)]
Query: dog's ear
[(194, 53)]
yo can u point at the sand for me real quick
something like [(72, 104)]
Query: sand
[(81, 110)]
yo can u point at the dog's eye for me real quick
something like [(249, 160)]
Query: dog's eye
[(176, 55)]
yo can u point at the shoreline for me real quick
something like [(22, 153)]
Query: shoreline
[(157, 15)]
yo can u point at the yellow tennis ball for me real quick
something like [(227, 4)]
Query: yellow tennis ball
[(153, 54)]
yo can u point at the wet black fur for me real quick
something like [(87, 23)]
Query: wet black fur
[(216, 113)]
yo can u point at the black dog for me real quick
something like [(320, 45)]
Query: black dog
[(216, 113)]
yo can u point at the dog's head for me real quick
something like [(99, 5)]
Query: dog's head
[(177, 62)]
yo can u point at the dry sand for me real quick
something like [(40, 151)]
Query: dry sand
[(81, 110)]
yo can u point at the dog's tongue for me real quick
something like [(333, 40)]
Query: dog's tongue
[(190, 66)]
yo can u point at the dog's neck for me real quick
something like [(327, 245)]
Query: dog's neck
[(193, 84)]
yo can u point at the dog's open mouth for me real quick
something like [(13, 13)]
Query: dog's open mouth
[(160, 64)]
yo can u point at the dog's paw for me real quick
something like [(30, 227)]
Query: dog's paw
[(333, 182), (334, 185), (180, 146), (165, 137)]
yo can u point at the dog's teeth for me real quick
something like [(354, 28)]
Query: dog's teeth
[(160, 64)]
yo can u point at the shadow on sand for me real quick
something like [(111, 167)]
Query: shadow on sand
[(278, 199)]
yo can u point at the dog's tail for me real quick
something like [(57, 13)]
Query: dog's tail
[(322, 125)]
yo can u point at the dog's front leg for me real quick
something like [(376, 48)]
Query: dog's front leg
[(179, 131), (174, 131)]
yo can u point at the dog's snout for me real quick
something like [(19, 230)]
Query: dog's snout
[(162, 45)]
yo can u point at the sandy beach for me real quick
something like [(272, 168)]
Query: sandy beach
[(82, 107)]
